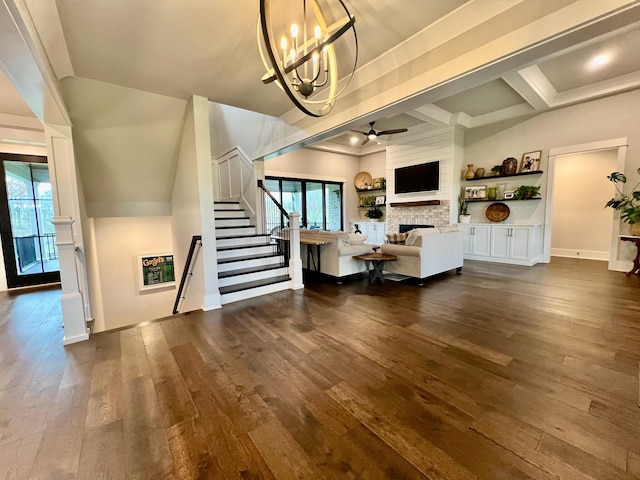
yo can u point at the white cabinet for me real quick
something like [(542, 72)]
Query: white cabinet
[(375, 231), (517, 244), (476, 239)]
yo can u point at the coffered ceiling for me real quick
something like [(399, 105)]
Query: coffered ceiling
[(598, 67)]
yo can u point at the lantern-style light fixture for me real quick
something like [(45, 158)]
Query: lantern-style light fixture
[(298, 48)]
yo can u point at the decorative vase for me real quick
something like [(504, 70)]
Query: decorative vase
[(509, 166), (634, 229), (374, 219), (492, 193), (469, 174), (502, 187), (465, 218), (479, 173)]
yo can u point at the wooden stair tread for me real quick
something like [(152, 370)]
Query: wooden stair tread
[(245, 245), (248, 257), (255, 284), (244, 271)]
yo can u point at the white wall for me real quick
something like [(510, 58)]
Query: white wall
[(319, 165), (375, 164), (118, 241), (581, 226), (126, 145)]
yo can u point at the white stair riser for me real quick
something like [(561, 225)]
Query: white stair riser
[(226, 206), (225, 214), (242, 252), (250, 277), (253, 292), (230, 232), (232, 222), (232, 242), (225, 267)]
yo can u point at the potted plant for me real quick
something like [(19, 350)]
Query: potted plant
[(463, 205), (628, 205), (526, 192), (373, 214), (496, 170)]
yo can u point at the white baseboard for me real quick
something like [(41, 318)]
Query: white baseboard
[(586, 254)]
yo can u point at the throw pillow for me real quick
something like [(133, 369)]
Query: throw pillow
[(412, 238), (356, 239), (397, 238)]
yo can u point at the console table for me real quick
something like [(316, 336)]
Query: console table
[(636, 261)]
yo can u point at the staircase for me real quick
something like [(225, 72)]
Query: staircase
[(249, 264)]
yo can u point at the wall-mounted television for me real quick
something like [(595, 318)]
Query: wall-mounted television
[(424, 177)]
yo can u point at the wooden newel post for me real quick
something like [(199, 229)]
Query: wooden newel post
[(295, 262)]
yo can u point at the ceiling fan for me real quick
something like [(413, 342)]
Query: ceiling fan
[(372, 134)]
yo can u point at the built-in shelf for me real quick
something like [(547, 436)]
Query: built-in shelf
[(498, 177), (382, 190), (423, 203), (372, 206), (475, 200)]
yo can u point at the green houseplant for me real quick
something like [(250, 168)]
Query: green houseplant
[(524, 192), (463, 205), (628, 205), (373, 213)]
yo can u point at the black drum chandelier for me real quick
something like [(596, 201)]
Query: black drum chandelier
[(298, 48)]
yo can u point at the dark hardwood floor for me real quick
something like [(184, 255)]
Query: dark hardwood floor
[(502, 372)]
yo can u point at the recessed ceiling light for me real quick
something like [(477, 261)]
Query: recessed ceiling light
[(599, 60), (354, 139)]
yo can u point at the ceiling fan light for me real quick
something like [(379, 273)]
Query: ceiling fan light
[(372, 136)]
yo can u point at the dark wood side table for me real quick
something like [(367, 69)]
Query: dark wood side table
[(636, 261), (377, 263)]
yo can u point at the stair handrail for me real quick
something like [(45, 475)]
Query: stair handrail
[(275, 201), (187, 272)]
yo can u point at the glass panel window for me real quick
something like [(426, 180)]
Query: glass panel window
[(30, 202), (318, 202), (333, 206), (315, 212)]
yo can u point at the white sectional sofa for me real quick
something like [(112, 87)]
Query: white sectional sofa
[(336, 256), (427, 252)]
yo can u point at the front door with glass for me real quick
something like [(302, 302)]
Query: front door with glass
[(26, 210)]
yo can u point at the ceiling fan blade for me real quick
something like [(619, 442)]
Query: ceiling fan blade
[(358, 131), (365, 141), (391, 132)]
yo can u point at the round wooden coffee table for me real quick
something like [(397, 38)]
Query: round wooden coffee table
[(375, 264)]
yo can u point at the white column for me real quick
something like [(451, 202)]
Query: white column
[(75, 325), (295, 262), (76, 308)]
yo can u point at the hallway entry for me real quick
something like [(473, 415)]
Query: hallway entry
[(581, 226)]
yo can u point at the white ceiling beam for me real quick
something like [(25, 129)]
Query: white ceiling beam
[(432, 114), (600, 89), (503, 114), (539, 83), (526, 90), (20, 122), (463, 119)]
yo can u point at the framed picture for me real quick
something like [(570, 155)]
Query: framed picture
[(477, 192), (155, 270), (380, 199), (530, 161), (377, 183)]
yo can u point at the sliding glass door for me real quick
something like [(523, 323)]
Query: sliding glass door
[(318, 202), (26, 211)]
